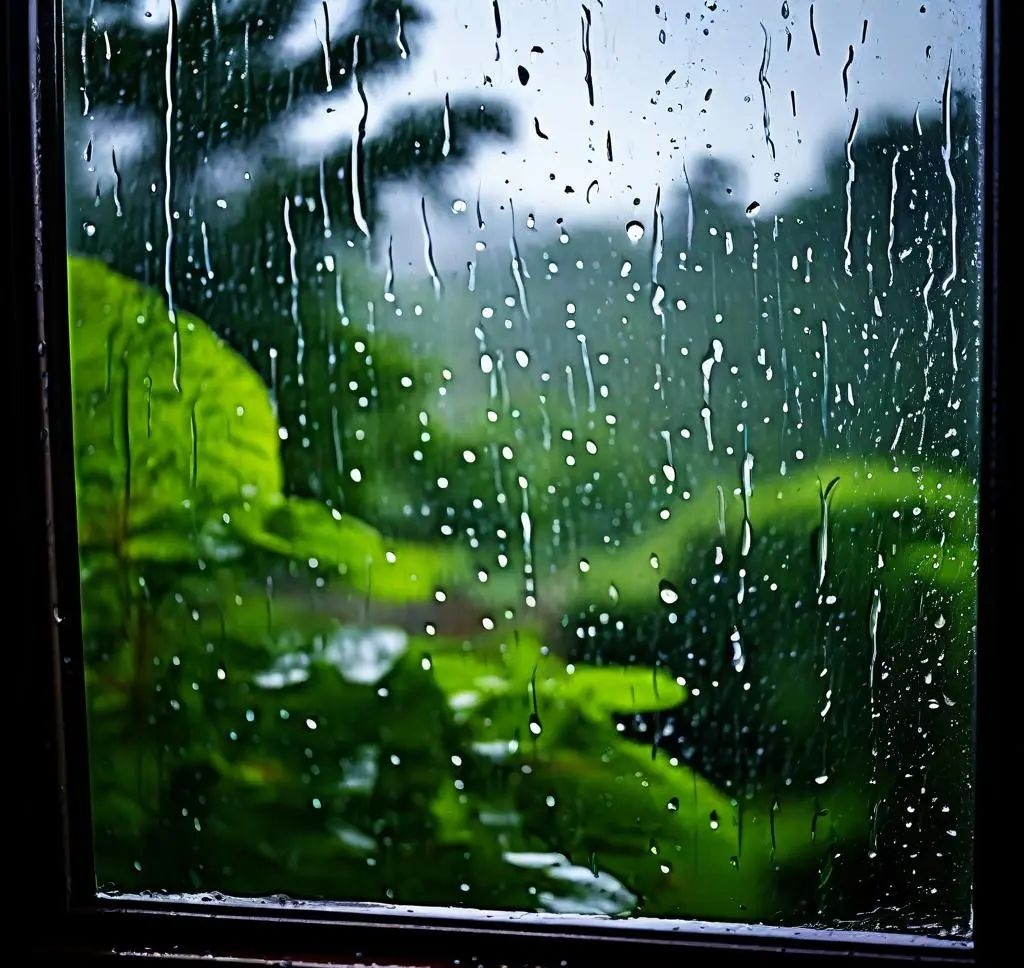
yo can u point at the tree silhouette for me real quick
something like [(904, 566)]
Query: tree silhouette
[(185, 175)]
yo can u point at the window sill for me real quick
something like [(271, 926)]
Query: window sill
[(226, 930)]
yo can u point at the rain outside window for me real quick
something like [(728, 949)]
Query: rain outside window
[(527, 452)]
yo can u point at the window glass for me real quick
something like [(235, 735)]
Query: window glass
[(527, 452)]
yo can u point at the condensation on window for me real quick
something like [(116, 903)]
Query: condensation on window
[(527, 452)]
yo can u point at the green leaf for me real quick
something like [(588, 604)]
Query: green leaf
[(304, 530), (152, 459)]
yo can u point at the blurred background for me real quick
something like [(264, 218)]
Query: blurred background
[(527, 452)]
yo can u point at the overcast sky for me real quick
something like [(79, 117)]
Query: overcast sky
[(656, 123)]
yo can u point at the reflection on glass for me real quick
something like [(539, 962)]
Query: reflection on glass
[(527, 452)]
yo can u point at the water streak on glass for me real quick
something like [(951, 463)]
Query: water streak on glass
[(527, 454)]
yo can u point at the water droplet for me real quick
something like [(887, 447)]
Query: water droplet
[(634, 230), (458, 206), (535, 726), (753, 208), (673, 805), (667, 592)]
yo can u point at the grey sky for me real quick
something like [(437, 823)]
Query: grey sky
[(655, 124)]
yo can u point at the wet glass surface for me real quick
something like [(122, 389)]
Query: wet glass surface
[(527, 452)]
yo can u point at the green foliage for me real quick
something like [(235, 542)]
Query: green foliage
[(154, 462), (283, 732), (197, 674)]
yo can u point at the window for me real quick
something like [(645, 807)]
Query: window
[(514, 469)]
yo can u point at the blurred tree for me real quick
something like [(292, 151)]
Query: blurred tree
[(189, 172)]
